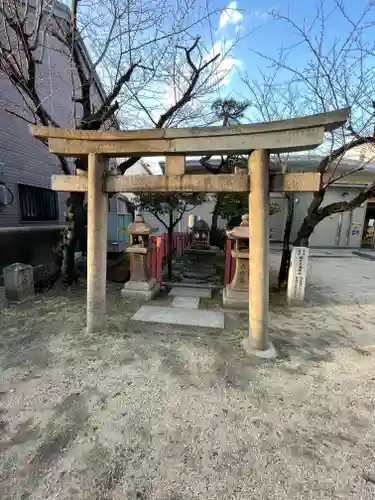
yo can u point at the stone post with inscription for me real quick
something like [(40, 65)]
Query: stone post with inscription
[(297, 275)]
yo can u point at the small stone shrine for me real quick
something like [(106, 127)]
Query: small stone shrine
[(236, 294), (140, 284), (200, 238)]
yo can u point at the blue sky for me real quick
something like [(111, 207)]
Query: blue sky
[(249, 20), (271, 35)]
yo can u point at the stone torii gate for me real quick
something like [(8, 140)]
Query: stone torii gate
[(259, 140)]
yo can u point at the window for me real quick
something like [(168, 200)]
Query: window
[(121, 206), (37, 204)]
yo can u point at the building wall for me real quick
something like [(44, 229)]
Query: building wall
[(336, 230), (25, 160), (204, 211), (277, 220)]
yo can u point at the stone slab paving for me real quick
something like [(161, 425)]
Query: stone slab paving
[(190, 292), (180, 316), (186, 302), (188, 285)]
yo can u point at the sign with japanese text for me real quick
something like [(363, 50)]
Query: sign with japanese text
[(298, 274)]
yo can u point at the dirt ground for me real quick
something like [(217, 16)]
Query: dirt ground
[(152, 411)]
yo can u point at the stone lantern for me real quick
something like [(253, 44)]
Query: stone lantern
[(200, 238), (140, 284), (236, 294)]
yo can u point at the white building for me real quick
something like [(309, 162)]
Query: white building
[(348, 229)]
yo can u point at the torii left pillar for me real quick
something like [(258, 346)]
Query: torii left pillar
[(97, 214)]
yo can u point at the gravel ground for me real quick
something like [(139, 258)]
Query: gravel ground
[(172, 413)]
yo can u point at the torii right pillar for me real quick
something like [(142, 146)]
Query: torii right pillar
[(258, 341)]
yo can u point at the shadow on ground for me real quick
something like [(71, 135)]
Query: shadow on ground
[(153, 411)]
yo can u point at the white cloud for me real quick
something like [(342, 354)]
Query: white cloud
[(230, 15), (223, 66)]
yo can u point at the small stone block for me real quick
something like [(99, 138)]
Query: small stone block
[(143, 286), (178, 316), (19, 282), (186, 302), (190, 292), (146, 293)]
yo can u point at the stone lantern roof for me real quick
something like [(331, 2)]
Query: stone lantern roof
[(242, 231), (139, 226)]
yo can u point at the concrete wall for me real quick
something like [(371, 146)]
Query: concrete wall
[(28, 247)]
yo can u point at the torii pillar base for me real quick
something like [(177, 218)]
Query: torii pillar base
[(269, 353)]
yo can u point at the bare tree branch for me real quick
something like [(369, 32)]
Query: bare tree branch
[(187, 95), (91, 122)]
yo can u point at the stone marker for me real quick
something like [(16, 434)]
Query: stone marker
[(297, 275), (18, 282)]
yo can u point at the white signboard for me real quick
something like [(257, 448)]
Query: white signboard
[(297, 274)]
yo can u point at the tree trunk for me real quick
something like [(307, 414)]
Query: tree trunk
[(285, 259), (305, 231), (215, 214), (214, 235), (74, 232), (170, 245)]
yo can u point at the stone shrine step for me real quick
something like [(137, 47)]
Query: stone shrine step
[(178, 316), (190, 292), (186, 302), (198, 275), (188, 285), (192, 281)]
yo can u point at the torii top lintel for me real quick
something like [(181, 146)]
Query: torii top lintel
[(297, 134)]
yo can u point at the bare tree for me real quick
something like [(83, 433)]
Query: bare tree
[(131, 46), (336, 71)]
